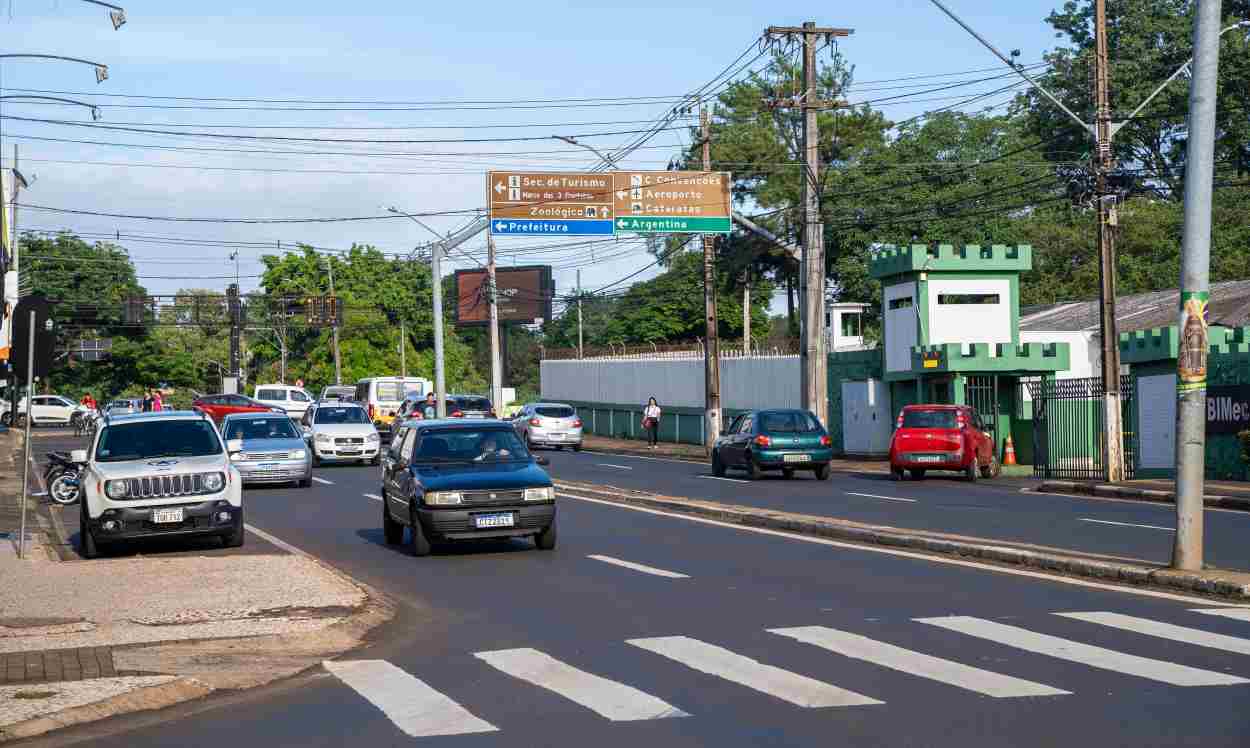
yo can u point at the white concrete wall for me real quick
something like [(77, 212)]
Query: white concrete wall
[(1086, 358), (900, 326), (969, 323), (755, 382)]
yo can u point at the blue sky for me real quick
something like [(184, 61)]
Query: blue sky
[(409, 52)]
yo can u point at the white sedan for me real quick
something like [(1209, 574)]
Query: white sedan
[(341, 432)]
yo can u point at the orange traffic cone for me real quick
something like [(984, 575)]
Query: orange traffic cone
[(1009, 452)]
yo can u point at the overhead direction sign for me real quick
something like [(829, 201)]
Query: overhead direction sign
[(667, 202), (550, 203)]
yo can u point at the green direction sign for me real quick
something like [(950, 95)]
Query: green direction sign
[(658, 225)]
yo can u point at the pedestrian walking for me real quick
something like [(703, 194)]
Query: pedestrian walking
[(651, 421), (158, 402), (147, 401)]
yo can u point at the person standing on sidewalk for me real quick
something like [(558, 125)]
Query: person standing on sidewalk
[(651, 421), (158, 402)]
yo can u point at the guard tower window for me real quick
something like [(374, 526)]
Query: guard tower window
[(901, 302), (850, 324), (968, 298)]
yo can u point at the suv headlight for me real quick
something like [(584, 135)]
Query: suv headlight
[(117, 489), (371, 438), (442, 498), (323, 437), (214, 481), (547, 493)]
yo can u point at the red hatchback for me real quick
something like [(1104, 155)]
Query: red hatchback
[(942, 437), (219, 406)]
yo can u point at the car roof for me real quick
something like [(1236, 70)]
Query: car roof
[(545, 404), (922, 406), (456, 424), (159, 415), (261, 414)]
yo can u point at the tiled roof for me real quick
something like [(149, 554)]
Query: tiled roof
[(1229, 307)]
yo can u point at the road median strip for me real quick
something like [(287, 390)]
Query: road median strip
[(1110, 490), (1230, 584)]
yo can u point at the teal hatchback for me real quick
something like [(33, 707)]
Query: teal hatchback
[(785, 440)]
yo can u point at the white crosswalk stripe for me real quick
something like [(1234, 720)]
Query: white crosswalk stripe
[(713, 660), (915, 663), (414, 707), (615, 701), (1237, 614), (1165, 631), (1098, 657)]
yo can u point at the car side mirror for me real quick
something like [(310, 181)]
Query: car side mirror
[(78, 455), (539, 459), (234, 445), (307, 431)]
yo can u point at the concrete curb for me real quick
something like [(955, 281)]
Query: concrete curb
[(1128, 571), (699, 460), (142, 699), (1110, 490)]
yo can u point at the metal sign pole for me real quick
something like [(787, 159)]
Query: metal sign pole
[(30, 416)]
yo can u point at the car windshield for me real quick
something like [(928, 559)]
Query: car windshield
[(340, 415), (928, 419), (787, 423), (260, 428), (339, 393), (554, 411), (470, 445), (154, 439), (270, 394)]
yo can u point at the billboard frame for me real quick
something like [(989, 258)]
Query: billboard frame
[(546, 282)]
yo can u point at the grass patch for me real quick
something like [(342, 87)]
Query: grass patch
[(35, 694)]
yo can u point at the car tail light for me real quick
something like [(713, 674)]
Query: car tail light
[(416, 415), (825, 441), (763, 440), (577, 423), (370, 411), (535, 422), (456, 414), (899, 423)]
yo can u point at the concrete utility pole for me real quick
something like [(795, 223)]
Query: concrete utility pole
[(746, 312), (579, 313), (1113, 440), (1191, 379), (440, 381), (496, 373), (711, 352), (403, 350), (334, 329), (236, 324), (813, 383)]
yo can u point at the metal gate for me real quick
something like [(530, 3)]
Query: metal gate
[(1069, 430), (982, 394)]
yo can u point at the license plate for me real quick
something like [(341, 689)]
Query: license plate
[(796, 458), (349, 451), (928, 458), (267, 465), (557, 437), (163, 516), (482, 521)]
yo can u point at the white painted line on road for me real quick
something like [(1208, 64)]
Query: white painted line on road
[(373, 496), (323, 481), (914, 663), (1126, 524), (1237, 614), (731, 480), (1073, 581), (877, 496), (785, 685), (638, 567), (644, 457), (277, 541), (618, 467), (1085, 654), (616, 701), (415, 708), (1165, 631)]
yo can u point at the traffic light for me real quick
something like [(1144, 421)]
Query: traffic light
[(133, 311)]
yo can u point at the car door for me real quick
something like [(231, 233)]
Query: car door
[(390, 460), (980, 440), (723, 443), (400, 490), (741, 439), (41, 409), (60, 409)]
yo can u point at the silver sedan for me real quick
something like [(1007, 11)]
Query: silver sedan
[(549, 425), (267, 448)]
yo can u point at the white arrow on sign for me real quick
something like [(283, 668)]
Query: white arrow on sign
[(620, 194), (621, 224), (500, 226), (499, 188)]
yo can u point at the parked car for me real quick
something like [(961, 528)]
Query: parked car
[(271, 448), (549, 424), (782, 439), (469, 406), (343, 392), (464, 480), (293, 400), (382, 396), (340, 432), (125, 407), (158, 475), (47, 410), (942, 437), (219, 406)]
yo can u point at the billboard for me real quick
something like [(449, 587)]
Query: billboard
[(525, 295)]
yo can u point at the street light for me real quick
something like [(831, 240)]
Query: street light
[(436, 272), (95, 110), (101, 70), (574, 141), (117, 14)]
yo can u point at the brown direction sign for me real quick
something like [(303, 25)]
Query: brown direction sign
[(672, 201), (550, 203)]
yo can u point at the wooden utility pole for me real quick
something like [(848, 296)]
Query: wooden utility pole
[(711, 351), (496, 373), (813, 364), (1113, 448)]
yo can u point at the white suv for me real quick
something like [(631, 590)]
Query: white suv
[(160, 474), (294, 400)]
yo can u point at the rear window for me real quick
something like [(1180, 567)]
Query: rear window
[(554, 412), (272, 395), (786, 423), (929, 419), (474, 403), (389, 392)]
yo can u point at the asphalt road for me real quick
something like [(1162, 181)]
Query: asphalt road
[(941, 502), (645, 628)]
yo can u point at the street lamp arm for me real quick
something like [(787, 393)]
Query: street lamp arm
[(1040, 88), (574, 141), (101, 70), (117, 14), (95, 111)]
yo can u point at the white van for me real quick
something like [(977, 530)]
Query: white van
[(294, 400), (382, 396)]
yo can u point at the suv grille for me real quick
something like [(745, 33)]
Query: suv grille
[(493, 497), (251, 456), (350, 440), (161, 486)]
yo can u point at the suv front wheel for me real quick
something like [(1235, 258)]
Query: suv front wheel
[(234, 538), (86, 541)]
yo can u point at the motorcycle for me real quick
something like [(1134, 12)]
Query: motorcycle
[(61, 476)]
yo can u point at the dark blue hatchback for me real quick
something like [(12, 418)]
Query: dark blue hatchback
[(463, 480)]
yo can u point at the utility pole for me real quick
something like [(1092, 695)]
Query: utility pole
[(236, 319), (403, 350), (440, 383), (496, 375), (711, 352), (17, 189), (334, 330), (1191, 380), (746, 312), (1113, 450), (813, 364), (579, 313)]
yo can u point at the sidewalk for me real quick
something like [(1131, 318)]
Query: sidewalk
[(1220, 494), (696, 453)]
